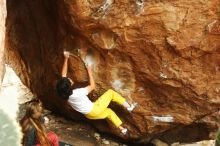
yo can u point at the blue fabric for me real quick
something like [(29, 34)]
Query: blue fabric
[(31, 137)]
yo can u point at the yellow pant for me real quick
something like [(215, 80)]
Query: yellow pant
[(100, 110)]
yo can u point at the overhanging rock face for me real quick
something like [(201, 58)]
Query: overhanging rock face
[(164, 55)]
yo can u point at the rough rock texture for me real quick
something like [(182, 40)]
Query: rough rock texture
[(162, 54), (2, 36)]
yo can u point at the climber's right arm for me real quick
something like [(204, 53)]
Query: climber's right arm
[(65, 64)]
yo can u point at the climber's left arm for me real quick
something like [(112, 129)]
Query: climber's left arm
[(91, 85)]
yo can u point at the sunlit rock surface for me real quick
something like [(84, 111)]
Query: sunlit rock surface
[(2, 35), (162, 54)]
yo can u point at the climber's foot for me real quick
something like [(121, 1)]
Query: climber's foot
[(123, 130), (132, 106)]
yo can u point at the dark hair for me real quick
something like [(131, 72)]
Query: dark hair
[(64, 88)]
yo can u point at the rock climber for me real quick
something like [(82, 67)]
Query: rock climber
[(79, 100)]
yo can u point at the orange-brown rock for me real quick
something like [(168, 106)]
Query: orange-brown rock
[(162, 54)]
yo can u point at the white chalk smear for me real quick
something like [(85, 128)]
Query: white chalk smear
[(107, 4), (162, 75), (140, 89), (117, 84), (140, 6), (211, 25), (165, 118), (89, 60)]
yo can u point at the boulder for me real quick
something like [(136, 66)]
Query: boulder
[(164, 55)]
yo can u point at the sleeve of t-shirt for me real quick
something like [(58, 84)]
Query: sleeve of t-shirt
[(81, 91)]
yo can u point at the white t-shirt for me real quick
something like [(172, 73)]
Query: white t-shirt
[(80, 101)]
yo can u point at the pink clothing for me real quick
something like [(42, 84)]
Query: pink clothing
[(53, 138)]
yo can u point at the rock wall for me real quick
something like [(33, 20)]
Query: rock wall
[(162, 54), (2, 36)]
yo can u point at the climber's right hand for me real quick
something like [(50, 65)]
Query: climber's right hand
[(66, 54)]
